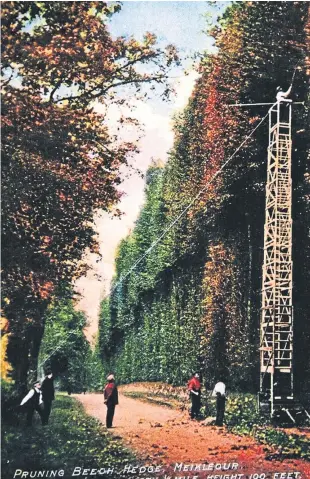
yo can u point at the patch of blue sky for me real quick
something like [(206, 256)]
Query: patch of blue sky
[(182, 23)]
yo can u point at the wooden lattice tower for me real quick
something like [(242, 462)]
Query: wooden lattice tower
[(276, 332)]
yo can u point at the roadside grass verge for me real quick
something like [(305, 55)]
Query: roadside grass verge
[(242, 417), (71, 439)]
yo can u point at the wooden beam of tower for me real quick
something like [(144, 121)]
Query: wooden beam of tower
[(276, 330)]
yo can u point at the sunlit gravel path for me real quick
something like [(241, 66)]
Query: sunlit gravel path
[(167, 436)]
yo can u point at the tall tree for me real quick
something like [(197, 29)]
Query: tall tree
[(60, 163), (65, 348)]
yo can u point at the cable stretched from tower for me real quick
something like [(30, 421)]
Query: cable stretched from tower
[(171, 225)]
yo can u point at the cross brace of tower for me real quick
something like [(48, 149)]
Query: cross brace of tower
[(276, 395), (276, 330)]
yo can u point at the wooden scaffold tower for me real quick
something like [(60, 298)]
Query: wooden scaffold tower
[(276, 345), (276, 330)]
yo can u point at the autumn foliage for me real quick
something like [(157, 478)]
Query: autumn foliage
[(193, 302), (60, 162)]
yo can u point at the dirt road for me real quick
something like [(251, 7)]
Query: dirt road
[(165, 436)]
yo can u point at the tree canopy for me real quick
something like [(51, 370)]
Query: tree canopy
[(60, 162)]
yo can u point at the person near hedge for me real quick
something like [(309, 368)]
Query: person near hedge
[(110, 399), (48, 395), (194, 388), (33, 402), (219, 392)]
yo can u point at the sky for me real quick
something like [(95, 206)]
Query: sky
[(180, 23)]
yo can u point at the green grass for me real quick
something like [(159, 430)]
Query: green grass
[(286, 445), (72, 439)]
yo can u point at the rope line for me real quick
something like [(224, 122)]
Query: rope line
[(171, 225), (187, 208)]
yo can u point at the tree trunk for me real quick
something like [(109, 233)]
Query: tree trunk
[(18, 356), (36, 338)]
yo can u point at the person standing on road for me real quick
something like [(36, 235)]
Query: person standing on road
[(33, 402), (194, 388), (110, 399), (219, 392), (48, 395)]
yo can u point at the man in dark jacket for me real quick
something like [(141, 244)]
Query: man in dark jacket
[(48, 395), (110, 399), (194, 388), (33, 402)]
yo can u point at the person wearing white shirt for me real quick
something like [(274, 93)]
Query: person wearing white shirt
[(33, 402), (283, 95), (219, 392)]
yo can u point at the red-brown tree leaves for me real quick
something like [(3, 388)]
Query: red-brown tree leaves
[(60, 163)]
